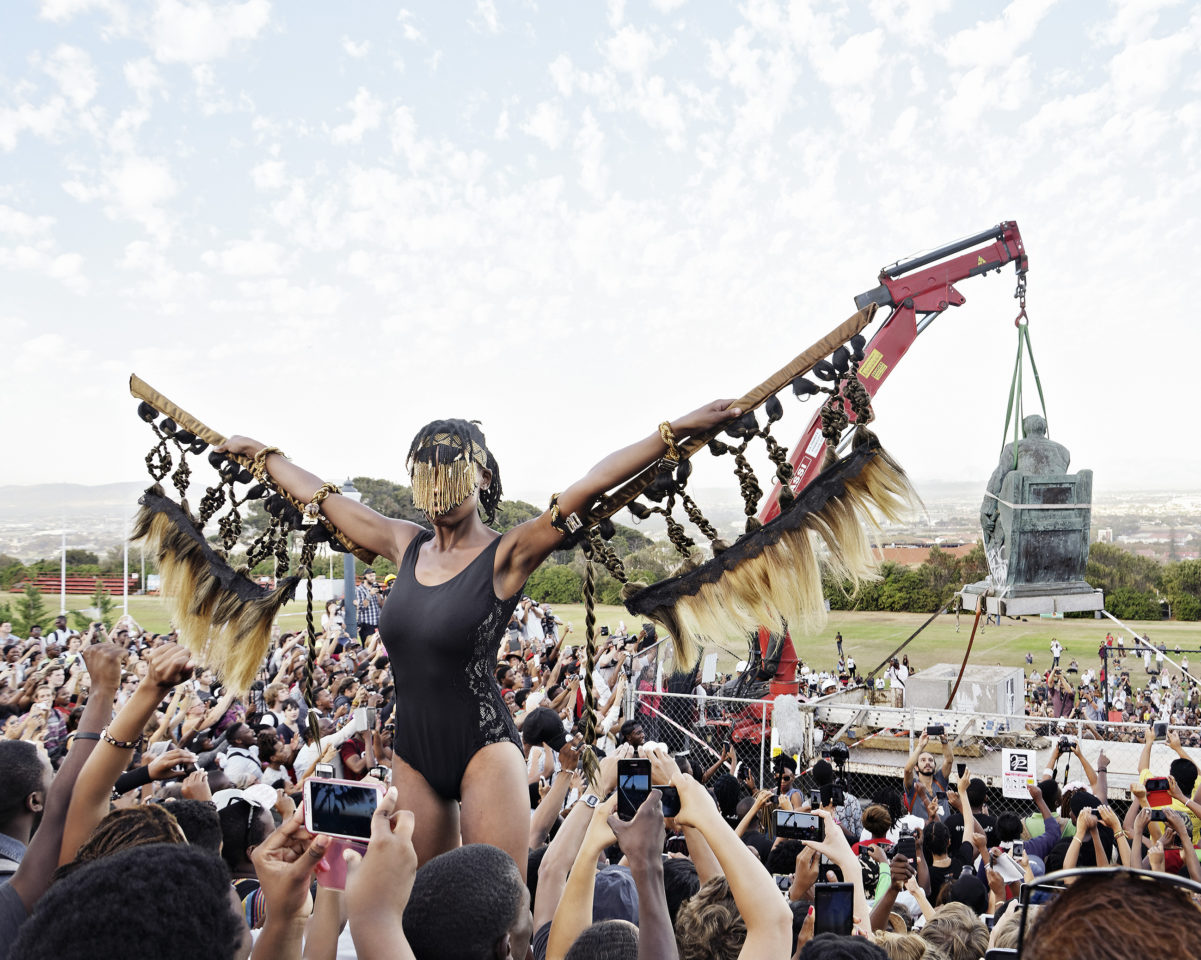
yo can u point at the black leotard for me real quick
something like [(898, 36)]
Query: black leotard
[(442, 641)]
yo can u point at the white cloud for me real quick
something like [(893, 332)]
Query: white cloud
[(44, 121), (42, 259), (248, 258), (631, 51), (137, 188), (589, 147), (409, 27), (143, 78), (616, 12), (994, 43), (60, 11), (485, 10), (502, 126), (356, 50), (196, 31), (268, 175), (1147, 69), (72, 70), (366, 114), (546, 123), (17, 223), (667, 6)]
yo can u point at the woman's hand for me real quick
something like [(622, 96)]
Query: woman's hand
[(696, 806), (241, 446), (706, 417)]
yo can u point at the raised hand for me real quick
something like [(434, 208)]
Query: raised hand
[(284, 864), (103, 662), (384, 876), (169, 764), (642, 838), (196, 786), (169, 665)]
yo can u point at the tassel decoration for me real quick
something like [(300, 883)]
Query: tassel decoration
[(774, 573), (222, 616)]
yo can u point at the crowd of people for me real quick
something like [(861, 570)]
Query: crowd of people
[(146, 810)]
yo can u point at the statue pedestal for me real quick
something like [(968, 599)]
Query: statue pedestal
[(1039, 551)]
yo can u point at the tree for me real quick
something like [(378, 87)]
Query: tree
[(81, 558), (1111, 568), (103, 605), (555, 583), (11, 570), (29, 610), (1127, 604)]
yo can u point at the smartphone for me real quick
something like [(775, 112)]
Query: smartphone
[(907, 847), (1159, 814), (815, 798), (935, 730), (833, 908), (633, 785), (1161, 731), (1159, 792), (671, 800), (340, 808), (1001, 953), (1018, 850), (380, 772), (798, 825), (323, 770), (961, 767)]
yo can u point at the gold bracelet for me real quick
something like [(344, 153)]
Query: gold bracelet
[(120, 744), (673, 455), (258, 465), (312, 509), (564, 524)]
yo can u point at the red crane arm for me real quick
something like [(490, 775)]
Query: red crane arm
[(922, 285)]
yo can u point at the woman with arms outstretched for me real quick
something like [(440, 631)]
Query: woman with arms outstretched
[(458, 762)]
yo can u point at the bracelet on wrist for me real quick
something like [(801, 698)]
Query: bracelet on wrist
[(258, 466), (121, 744), (86, 736), (312, 509), (672, 457)]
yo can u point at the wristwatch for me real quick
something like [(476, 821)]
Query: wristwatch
[(591, 799)]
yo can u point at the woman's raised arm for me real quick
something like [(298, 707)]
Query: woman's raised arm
[(379, 534), (527, 545)]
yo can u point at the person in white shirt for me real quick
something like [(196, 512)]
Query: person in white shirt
[(1056, 652)]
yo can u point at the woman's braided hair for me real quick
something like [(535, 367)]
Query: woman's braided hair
[(466, 432)]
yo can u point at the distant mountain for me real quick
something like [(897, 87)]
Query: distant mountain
[(54, 499)]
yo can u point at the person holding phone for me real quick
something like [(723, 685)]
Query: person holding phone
[(458, 764), (921, 769)]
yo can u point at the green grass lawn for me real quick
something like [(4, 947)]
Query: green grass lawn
[(868, 637)]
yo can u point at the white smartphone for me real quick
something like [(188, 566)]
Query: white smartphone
[(340, 808)]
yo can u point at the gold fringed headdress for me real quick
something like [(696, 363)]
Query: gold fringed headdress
[(221, 614), (443, 472)]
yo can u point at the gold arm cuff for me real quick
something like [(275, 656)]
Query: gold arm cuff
[(258, 466)]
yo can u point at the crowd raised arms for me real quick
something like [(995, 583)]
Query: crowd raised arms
[(133, 786)]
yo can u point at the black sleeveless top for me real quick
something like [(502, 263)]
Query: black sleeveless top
[(442, 642)]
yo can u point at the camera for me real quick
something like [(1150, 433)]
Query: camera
[(1066, 744), (838, 753)]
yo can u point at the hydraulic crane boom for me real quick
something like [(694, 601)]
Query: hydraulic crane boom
[(917, 290)]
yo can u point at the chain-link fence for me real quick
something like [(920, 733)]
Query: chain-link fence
[(880, 739)]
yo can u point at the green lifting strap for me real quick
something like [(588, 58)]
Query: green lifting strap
[(1014, 409)]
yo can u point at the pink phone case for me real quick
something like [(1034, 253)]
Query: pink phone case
[(331, 871)]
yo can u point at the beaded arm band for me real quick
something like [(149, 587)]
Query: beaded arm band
[(258, 466), (313, 508)]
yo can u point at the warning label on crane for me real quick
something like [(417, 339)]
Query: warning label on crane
[(868, 367)]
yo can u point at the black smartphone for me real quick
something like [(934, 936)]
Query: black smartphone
[(633, 785), (1159, 792), (1161, 730), (798, 825), (833, 908), (907, 847), (935, 730), (815, 798), (961, 767), (671, 800), (1001, 953)]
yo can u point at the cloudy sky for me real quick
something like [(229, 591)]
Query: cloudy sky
[(323, 224)]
